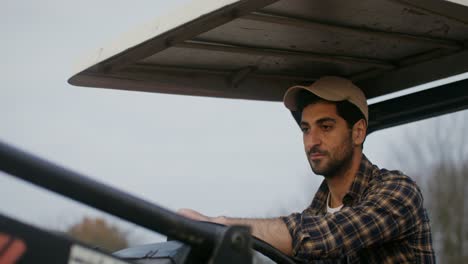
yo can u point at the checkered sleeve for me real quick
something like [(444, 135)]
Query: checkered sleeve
[(388, 211)]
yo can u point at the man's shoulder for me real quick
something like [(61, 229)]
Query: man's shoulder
[(396, 184), (371, 179), (392, 176), (377, 174)]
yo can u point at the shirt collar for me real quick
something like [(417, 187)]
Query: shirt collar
[(361, 181)]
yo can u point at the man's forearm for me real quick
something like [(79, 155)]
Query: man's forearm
[(272, 231)]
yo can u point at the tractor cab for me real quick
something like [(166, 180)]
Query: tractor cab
[(255, 50)]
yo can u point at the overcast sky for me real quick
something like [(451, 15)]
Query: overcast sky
[(219, 156)]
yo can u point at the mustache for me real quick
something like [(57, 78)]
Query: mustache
[(316, 150)]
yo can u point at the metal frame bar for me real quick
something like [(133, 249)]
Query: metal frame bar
[(240, 49), (95, 194), (433, 102), (437, 101), (415, 74), (220, 244), (311, 24)]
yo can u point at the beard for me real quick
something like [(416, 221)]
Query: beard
[(334, 161)]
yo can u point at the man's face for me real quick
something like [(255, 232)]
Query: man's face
[(327, 139)]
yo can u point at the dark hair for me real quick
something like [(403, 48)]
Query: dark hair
[(348, 111)]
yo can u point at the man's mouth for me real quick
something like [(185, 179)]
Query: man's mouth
[(316, 155)]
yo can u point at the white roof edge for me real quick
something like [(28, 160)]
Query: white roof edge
[(173, 19)]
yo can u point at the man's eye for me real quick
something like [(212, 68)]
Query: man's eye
[(304, 129), (326, 127)]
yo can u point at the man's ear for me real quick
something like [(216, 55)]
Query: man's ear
[(359, 132)]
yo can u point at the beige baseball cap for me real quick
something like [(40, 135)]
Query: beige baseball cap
[(330, 88)]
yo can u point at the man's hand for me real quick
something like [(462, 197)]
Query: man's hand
[(272, 231)]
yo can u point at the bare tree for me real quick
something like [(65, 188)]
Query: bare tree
[(436, 155)]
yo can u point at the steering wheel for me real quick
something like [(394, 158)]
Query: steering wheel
[(271, 252)]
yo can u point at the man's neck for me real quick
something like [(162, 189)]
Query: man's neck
[(340, 183)]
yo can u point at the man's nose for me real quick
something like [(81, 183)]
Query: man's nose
[(311, 139)]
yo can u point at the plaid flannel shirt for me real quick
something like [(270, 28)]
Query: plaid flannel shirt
[(382, 221)]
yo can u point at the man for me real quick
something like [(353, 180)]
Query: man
[(360, 213)]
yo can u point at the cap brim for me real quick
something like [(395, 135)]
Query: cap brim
[(290, 97)]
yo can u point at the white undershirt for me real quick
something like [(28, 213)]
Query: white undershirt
[(332, 210)]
